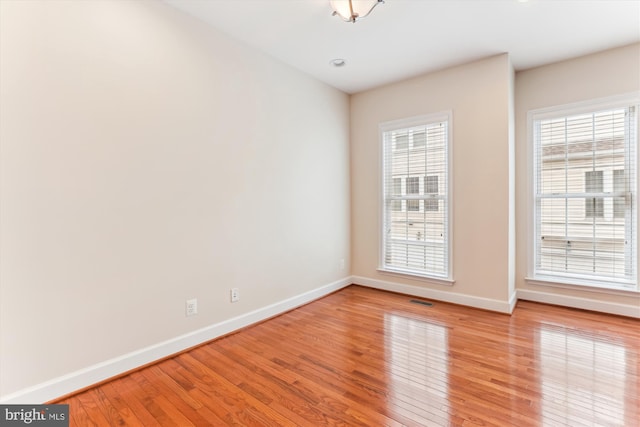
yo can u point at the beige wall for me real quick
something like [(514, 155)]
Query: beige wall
[(144, 160), (479, 95), (604, 74)]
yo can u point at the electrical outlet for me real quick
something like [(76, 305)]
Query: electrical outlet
[(192, 307), (235, 295), (342, 264)]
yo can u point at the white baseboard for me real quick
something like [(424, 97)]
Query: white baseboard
[(582, 303), (513, 300), (86, 377), (628, 310), (468, 300)]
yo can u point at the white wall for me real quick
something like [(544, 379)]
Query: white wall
[(601, 75), (480, 96), (144, 160)]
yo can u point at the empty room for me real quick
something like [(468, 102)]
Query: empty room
[(319, 212)]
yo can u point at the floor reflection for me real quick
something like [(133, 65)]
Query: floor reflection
[(418, 365), (583, 379)]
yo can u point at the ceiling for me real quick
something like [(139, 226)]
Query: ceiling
[(404, 38)]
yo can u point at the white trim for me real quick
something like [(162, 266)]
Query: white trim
[(414, 121), (90, 375), (531, 206), (418, 291), (601, 288), (513, 301), (628, 310), (586, 106), (416, 276), (450, 192)]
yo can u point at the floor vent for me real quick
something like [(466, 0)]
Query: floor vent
[(417, 301)]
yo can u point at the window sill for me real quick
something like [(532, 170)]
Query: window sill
[(586, 287), (416, 276)]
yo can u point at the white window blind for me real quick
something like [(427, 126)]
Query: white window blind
[(585, 189), (415, 230)]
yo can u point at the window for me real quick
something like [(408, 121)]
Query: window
[(419, 139), (413, 187), (401, 141), (584, 188), (594, 207), (431, 189), (618, 188), (397, 191), (416, 240)]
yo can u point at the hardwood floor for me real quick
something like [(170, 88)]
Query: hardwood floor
[(362, 357)]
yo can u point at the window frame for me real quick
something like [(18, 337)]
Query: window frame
[(575, 281), (406, 123)]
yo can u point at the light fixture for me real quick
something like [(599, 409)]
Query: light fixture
[(353, 10)]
